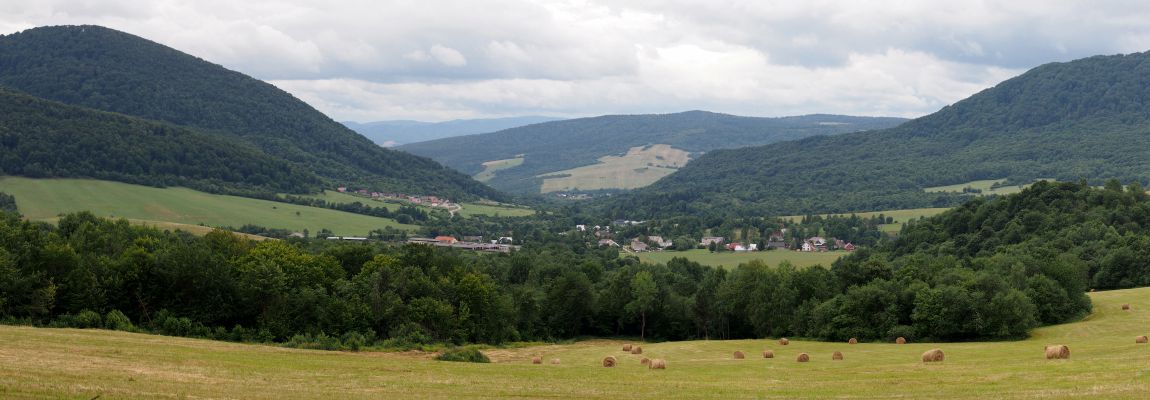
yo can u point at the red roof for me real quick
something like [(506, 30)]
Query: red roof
[(445, 239)]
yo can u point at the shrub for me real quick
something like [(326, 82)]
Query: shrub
[(463, 354), (116, 320), (87, 319)]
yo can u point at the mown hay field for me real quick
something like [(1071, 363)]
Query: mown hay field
[(639, 167), (1105, 363)]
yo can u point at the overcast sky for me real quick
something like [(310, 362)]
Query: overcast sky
[(433, 60)]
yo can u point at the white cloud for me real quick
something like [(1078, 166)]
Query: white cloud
[(445, 59)]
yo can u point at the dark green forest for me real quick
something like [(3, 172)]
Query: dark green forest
[(560, 145), (1088, 118), (103, 69), (990, 269)]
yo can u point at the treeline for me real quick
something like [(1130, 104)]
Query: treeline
[(990, 269), (7, 203), (405, 214)]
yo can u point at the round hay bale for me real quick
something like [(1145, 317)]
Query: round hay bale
[(657, 363), (838, 355), (853, 341), (784, 341), (1057, 352), (1140, 339), (645, 361), (555, 361), (900, 340), (803, 357), (1126, 307), (637, 350), (768, 354), (537, 360), (627, 347), (609, 361), (739, 355), (933, 355)]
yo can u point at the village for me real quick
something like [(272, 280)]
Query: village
[(777, 240), (420, 200)]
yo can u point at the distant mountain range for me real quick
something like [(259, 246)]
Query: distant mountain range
[(204, 107), (1087, 119), (395, 133), (618, 151)]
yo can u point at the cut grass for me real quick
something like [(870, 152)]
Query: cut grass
[(985, 186), (730, 259), (641, 166), (490, 168), (472, 209), (42, 199), (899, 216), (1105, 363)]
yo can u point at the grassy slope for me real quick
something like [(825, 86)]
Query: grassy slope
[(1105, 363), (490, 168), (47, 198), (470, 209), (984, 185), (640, 166), (732, 259)]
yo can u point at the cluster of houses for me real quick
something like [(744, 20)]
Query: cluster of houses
[(430, 201), (474, 243)]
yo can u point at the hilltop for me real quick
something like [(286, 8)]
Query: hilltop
[(395, 133), (1085, 119), (536, 158), (108, 70)]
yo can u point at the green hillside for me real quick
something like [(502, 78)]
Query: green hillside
[(1085, 119), (100, 68), (44, 199), (553, 147)]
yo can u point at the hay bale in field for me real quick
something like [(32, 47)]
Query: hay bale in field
[(1126, 307), (1058, 351), (900, 340), (784, 341), (768, 354), (739, 355), (1140, 339), (853, 341), (933, 355), (555, 361), (637, 350), (838, 355), (537, 360), (803, 357), (609, 361), (627, 347), (657, 363), (645, 361)]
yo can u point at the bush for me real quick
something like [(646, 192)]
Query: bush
[(319, 341), (87, 319), (461, 354), (117, 321)]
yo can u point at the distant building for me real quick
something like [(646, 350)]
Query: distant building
[(446, 239), (638, 245), (711, 239), (608, 242)]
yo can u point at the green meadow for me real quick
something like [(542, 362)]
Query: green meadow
[(43, 199), (732, 259), (1105, 363)]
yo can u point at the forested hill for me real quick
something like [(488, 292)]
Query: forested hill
[(395, 133), (1085, 119), (556, 146), (108, 70), (41, 138)]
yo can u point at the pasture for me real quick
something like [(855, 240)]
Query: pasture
[(1105, 363), (472, 209), (900, 216), (731, 259), (490, 168), (640, 166), (43, 199), (985, 186)]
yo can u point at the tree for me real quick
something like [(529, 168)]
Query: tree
[(643, 292)]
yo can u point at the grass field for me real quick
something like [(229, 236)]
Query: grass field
[(1105, 363), (641, 166), (732, 259), (984, 186), (42, 199), (471, 209), (335, 197), (900, 216), (490, 168)]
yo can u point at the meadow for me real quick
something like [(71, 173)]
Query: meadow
[(899, 216), (1105, 362), (44, 199), (986, 187), (640, 166), (490, 168), (730, 259)]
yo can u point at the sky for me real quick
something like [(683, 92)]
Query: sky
[(437, 60)]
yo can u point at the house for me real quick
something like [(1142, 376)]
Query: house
[(342, 189), (808, 246), (849, 247), (736, 247), (776, 244), (839, 244), (638, 245), (446, 239), (753, 247), (658, 241), (711, 239), (608, 242), (581, 228), (778, 236)]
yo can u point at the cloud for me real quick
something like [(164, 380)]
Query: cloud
[(444, 59)]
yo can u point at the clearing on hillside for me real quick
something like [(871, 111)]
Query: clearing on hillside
[(492, 167), (42, 199), (640, 166), (72, 363), (984, 187)]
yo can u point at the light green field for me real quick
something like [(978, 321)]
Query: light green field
[(492, 167), (900, 216), (470, 209), (42, 199), (984, 185), (335, 197), (641, 166), (732, 259), (1105, 363)]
